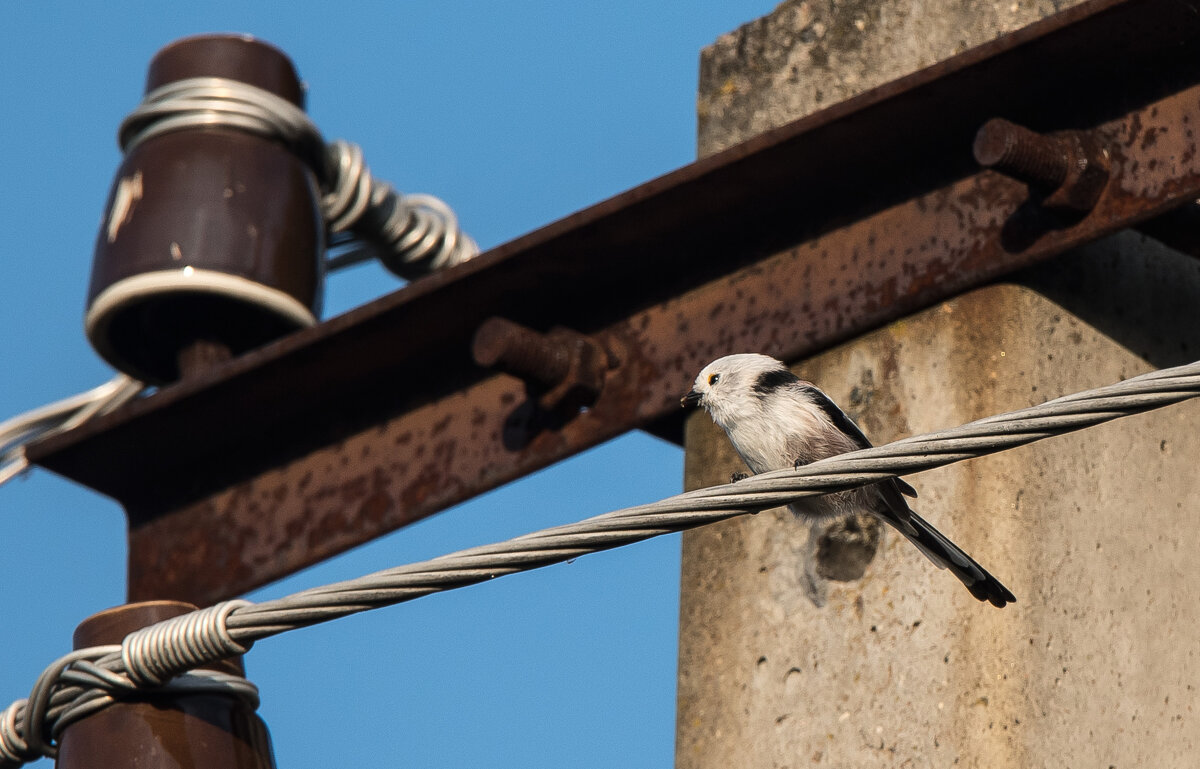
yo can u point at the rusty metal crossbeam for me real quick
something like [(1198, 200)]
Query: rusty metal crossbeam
[(788, 243)]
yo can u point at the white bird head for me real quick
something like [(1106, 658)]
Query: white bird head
[(731, 385)]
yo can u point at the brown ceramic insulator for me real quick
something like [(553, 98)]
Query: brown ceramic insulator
[(236, 57), (208, 233), (201, 731)]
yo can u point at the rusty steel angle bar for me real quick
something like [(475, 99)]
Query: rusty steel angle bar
[(793, 241)]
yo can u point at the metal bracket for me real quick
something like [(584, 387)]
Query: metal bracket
[(786, 244)]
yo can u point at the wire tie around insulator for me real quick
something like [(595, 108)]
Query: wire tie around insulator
[(13, 749), (413, 234), (155, 654)]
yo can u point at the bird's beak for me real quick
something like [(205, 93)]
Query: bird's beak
[(691, 399)]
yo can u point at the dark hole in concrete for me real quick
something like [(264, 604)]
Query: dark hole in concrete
[(846, 546)]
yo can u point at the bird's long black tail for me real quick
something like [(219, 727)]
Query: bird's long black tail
[(947, 555)]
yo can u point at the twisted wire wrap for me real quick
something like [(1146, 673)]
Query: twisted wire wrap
[(161, 651), (90, 679), (58, 417), (40, 698), (152, 659), (14, 751), (413, 235), (217, 102)]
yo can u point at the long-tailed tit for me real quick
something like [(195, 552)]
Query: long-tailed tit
[(776, 420)]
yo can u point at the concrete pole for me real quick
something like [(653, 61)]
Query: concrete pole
[(1096, 665)]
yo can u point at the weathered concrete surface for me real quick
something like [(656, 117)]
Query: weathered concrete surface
[(809, 54), (1097, 664)]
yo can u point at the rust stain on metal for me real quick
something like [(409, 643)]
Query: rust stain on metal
[(789, 304), (789, 243)]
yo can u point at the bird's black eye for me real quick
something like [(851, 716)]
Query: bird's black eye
[(713, 379)]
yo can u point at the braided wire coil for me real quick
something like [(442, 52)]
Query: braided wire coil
[(155, 654), (412, 235), (88, 680), (60, 416)]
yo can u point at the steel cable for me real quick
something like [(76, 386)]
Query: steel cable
[(57, 417), (69, 689), (703, 506)]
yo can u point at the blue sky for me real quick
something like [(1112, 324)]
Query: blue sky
[(516, 114)]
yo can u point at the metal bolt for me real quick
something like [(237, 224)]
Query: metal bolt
[(200, 356), (1018, 152), (569, 366), (1070, 166), (522, 352)]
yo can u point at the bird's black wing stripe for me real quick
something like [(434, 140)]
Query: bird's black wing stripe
[(836, 415), (770, 381), (846, 425)]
